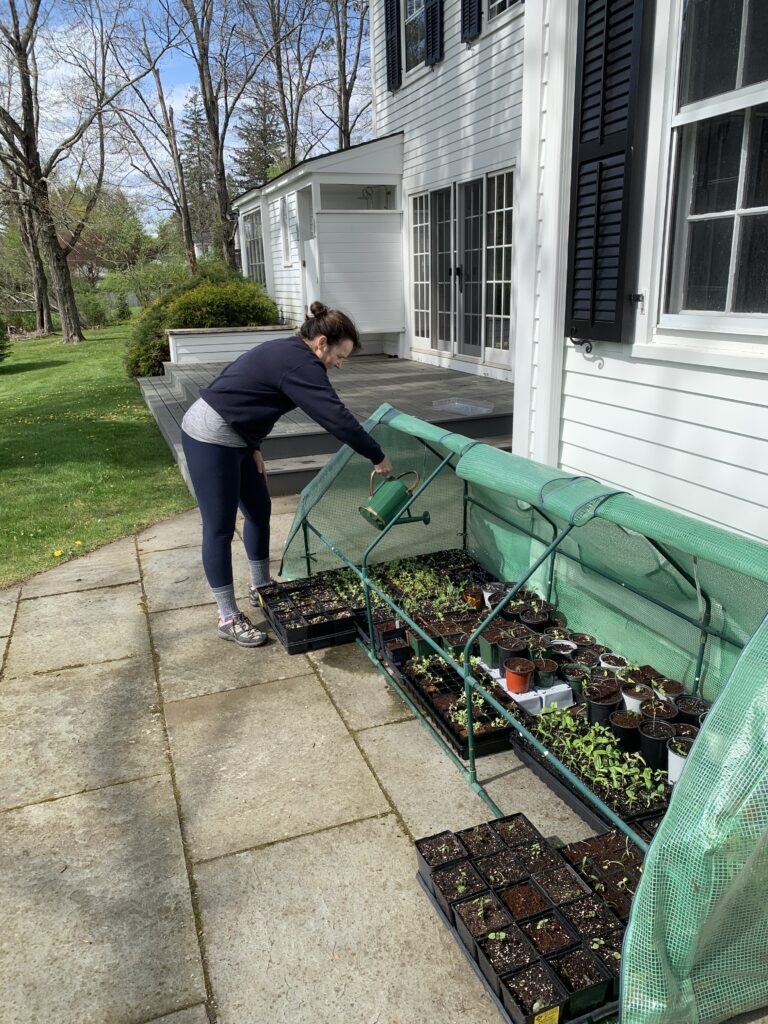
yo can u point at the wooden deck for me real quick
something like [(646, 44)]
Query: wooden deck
[(298, 447)]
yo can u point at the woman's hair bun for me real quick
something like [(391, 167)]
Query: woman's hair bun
[(318, 309)]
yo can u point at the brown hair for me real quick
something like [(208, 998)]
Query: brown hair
[(335, 325)]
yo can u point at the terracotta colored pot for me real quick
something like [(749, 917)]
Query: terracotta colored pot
[(518, 673)]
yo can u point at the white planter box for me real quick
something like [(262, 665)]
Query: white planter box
[(220, 344)]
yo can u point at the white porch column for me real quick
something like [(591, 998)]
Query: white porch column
[(542, 236)]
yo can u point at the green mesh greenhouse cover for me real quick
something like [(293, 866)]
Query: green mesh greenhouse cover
[(662, 588)]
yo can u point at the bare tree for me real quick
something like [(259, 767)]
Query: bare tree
[(349, 19), (153, 145), (93, 47), (291, 33), (226, 63)]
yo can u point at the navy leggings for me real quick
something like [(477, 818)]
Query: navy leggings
[(225, 479)]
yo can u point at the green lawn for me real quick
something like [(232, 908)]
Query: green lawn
[(81, 460)]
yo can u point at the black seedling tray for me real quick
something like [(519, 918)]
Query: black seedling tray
[(592, 1017), (335, 637)]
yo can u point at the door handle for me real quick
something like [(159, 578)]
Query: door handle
[(459, 277)]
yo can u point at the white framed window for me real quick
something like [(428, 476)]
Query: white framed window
[(498, 261), (254, 248), (415, 32), (462, 251), (285, 231), (420, 249), (716, 264), (496, 7)]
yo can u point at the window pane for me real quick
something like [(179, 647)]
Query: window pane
[(415, 41), (752, 261), (709, 255), (716, 162), (711, 33), (756, 191), (756, 56)]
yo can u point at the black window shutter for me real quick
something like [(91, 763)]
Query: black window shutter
[(471, 19), (610, 123), (433, 23), (392, 36)]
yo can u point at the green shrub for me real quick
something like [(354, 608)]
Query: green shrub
[(93, 309), (196, 303), (233, 304), (121, 311)]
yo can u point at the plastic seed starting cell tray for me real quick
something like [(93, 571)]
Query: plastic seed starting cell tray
[(603, 1013)]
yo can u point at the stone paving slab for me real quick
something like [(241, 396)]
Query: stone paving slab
[(78, 729), (8, 601), (358, 688), (180, 531), (97, 919), (264, 763), (65, 630), (329, 928), (194, 1015), (431, 795), (109, 566), (193, 661), (174, 578)]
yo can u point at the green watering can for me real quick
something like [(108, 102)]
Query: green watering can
[(385, 503)]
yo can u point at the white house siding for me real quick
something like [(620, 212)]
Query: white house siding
[(286, 283), (694, 439), (360, 265), (462, 118)]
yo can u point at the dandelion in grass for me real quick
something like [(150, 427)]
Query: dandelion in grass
[(58, 553)]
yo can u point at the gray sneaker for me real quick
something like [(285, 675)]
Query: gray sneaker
[(253, 593), (242, 631)]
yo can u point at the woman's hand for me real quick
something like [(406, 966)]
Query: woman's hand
[(259, 460), (384, 468)]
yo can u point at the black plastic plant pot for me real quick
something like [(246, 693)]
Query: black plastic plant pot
[(397, 652), (477, 916), (625, 726), (536, 620), (602, 700), (690, 708), (504, 952), (590, 917), (437, 851), (480, 840), (607, 949), (524, 899), (658, 710), (530, 993), (562, 885), (584, 978), (550, 933), (510, 648), (454, 883), (577, 677), (516, 829), (501, 869), (653, 742)]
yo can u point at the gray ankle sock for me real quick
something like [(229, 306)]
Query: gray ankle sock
[(259, 572), (225, 599)]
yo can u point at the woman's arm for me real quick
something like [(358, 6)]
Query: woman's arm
[(309, 388)]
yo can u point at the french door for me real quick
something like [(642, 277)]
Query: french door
[(462, 268)]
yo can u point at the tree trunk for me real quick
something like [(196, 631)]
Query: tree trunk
[(28, 233), (58, 266)]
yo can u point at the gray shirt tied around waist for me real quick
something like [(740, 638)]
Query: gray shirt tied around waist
[(204, 424)]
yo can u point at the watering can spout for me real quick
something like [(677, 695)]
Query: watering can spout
[(386, 501)]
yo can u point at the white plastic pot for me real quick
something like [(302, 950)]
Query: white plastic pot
[(675, 762), (633, 703)]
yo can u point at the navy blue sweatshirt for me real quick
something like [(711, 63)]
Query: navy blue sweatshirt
[(254, 391)]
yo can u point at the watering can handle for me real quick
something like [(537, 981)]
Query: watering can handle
[(410, 489)]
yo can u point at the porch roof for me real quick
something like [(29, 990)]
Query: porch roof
[(381, 157)]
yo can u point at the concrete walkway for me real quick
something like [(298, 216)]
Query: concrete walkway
[(192, 833)]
